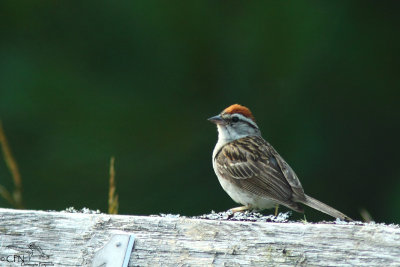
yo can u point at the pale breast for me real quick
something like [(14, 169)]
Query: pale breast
[(244, 197)]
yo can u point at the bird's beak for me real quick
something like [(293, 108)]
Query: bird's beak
[(217, 119)]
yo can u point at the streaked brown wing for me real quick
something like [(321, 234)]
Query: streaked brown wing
[(289, 174), (253, 164)]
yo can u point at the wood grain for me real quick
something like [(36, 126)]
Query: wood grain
[(70, 239)]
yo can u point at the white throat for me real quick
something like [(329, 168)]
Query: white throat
[(227, 134)]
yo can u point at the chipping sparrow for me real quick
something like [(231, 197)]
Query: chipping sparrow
[(252, 172)]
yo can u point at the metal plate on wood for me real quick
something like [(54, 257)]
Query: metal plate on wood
[(116, 252)]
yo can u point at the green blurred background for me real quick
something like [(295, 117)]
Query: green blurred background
[(82, 81)]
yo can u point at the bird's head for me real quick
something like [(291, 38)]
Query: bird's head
[(235, 122)]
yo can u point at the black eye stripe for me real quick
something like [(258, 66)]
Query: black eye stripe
[(251, 125), (236, 118)]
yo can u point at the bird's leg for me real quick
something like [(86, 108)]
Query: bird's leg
[(276, 209), (238, 209)]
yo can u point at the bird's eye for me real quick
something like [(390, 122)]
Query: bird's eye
[(235, 119)]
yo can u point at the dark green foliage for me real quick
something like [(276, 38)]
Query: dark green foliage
[(81, 81)]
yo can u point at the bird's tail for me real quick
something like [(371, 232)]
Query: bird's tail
[(322, 207)]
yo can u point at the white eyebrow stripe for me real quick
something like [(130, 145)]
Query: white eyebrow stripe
[(244, 118)]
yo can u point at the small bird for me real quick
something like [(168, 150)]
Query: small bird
[(251, 171)]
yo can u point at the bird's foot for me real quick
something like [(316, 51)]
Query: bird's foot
[(276, 209), (240, 209)]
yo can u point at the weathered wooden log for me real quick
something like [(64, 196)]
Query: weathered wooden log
[(71, 239)]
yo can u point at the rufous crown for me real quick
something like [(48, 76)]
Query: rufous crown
[(236, 108)]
